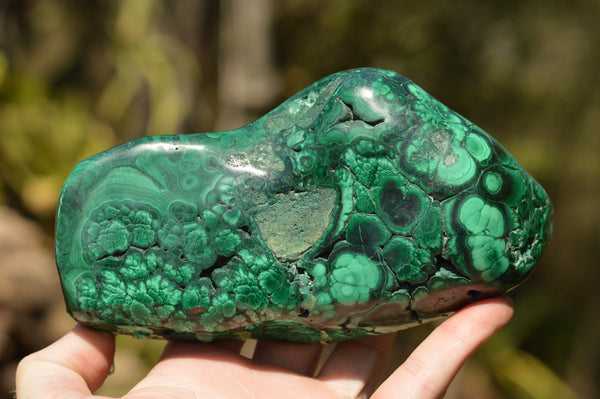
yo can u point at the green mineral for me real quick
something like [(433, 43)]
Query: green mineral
[(359, 206)]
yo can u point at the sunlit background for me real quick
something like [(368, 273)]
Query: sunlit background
[(77, 77)]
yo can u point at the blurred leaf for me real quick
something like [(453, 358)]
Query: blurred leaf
[(41, 139), (525, 376), (3, 67)]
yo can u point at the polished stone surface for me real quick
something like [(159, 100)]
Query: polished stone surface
[(359, 206)]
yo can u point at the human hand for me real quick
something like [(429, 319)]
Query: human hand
[(77, 365)]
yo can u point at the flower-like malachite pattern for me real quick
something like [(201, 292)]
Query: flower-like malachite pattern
[(359, 206)]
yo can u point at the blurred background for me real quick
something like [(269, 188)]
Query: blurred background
[(79, 77)]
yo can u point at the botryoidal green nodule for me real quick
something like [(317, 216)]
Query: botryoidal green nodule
[(359, 206)]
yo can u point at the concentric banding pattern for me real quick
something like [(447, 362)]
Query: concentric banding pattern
[(359, 206)]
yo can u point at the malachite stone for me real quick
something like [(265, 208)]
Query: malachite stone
[(359, 206)]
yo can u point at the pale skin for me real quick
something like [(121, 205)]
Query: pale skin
[(77, 364)]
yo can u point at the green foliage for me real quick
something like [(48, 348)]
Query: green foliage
[(76, 89)]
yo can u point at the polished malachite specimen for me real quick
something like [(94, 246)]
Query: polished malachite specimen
[(359, 206)]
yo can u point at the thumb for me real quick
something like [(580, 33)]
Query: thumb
[(72, 367)]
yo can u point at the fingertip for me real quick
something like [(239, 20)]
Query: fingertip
[(101, 340), (300, 358), (497, 310), (91, 354), (355, 367), (433, 365), (503, 300), (226, 348)]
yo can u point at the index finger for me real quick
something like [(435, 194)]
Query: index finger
[(430, 369)]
